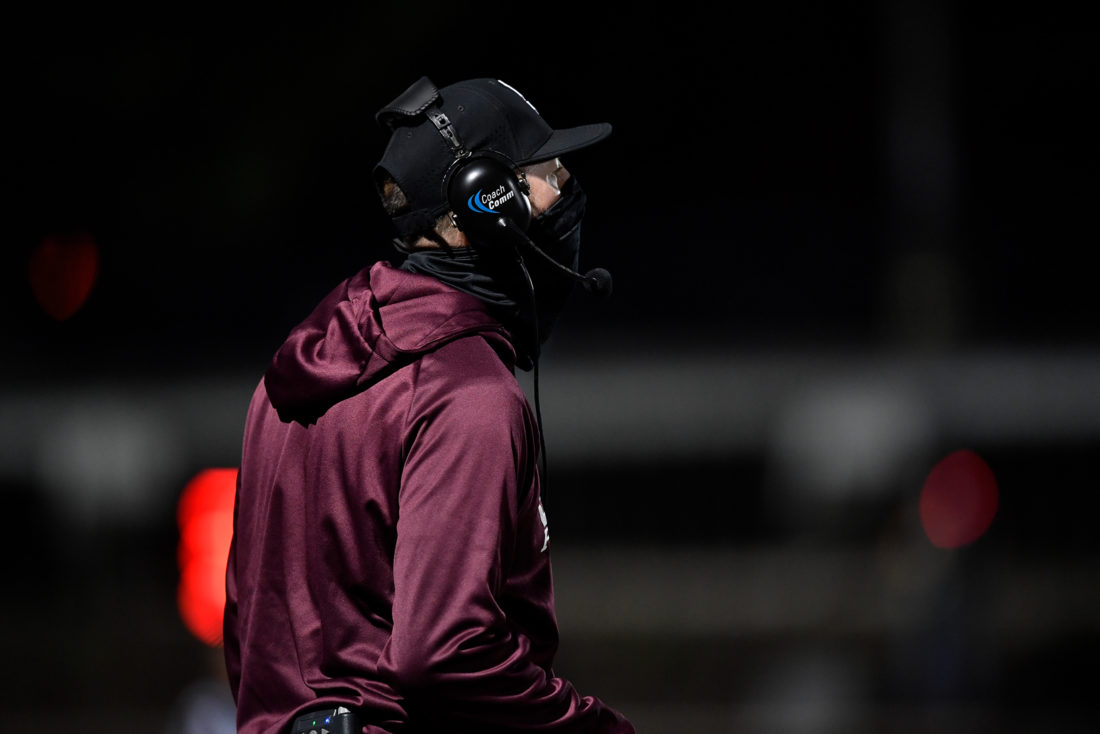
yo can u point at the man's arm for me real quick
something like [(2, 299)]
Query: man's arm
[(452, 651)]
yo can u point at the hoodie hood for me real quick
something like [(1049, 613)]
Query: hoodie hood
[(371, 324)]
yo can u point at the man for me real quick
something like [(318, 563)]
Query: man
[(391, 552)]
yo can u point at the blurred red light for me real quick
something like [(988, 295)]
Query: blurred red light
[(958, 500), (62, 271), (205, 516)]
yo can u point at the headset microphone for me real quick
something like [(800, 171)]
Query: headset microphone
[(597, 280)]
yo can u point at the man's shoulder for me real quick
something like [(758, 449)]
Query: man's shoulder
[(471, 356), (470, 369)]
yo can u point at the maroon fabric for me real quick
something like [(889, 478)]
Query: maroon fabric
[(389, 548)]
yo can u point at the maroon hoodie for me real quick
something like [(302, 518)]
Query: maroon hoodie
[(390, 551)]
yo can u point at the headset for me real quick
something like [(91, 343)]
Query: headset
[(487, 193), (490, 201)]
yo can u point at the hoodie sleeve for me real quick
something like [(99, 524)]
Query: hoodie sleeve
[(453, 652)]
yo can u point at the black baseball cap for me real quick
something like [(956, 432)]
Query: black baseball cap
[(486, 115)]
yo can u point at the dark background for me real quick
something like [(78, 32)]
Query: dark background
[(879, 213)]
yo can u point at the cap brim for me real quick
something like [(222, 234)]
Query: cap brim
[(567, 141)]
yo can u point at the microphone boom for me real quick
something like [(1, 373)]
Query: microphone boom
[(597, 280)]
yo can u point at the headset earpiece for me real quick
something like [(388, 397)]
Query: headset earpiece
[(480, 189)]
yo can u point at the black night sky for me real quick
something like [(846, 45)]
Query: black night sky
[(769, 173)]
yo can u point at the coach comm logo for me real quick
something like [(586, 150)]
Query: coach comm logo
[(486, 203)]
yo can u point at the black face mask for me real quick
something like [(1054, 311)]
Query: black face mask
[(557, 232), (499, 281)]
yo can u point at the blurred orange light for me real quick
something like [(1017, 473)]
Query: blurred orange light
[(958, 500), (62, 271), (205, 516)]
